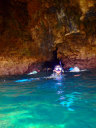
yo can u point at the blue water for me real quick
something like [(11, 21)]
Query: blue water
[(68, 102)]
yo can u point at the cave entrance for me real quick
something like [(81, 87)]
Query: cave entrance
[(50, 64)]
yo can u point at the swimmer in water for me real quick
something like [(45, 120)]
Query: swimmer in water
[(57, 73), (58, 70)]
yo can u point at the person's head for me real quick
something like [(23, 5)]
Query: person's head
[(58, 69)]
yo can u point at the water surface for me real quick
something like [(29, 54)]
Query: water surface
[(69, 102)]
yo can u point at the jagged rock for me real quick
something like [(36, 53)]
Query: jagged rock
[(31, 30)]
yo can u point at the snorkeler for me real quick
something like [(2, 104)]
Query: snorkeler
[(58, 70), (75, 69)]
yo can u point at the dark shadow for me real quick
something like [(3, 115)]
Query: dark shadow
[(49, 65)]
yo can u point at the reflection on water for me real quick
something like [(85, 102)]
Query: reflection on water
[(69, 99), (67, 102)]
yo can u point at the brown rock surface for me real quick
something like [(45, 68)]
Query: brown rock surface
[(30, 30)]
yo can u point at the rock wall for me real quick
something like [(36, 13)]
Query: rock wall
[(31, 30)]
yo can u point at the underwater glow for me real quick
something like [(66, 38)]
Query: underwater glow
[(69, 102)]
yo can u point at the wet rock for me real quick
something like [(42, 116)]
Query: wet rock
[(31, 30)]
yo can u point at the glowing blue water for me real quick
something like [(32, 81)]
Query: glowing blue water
[(69, 102)]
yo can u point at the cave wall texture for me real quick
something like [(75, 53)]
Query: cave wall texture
[(30, 30)]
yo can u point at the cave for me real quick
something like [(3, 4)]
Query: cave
[(47, 33), (47, 63), (52, 63)]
